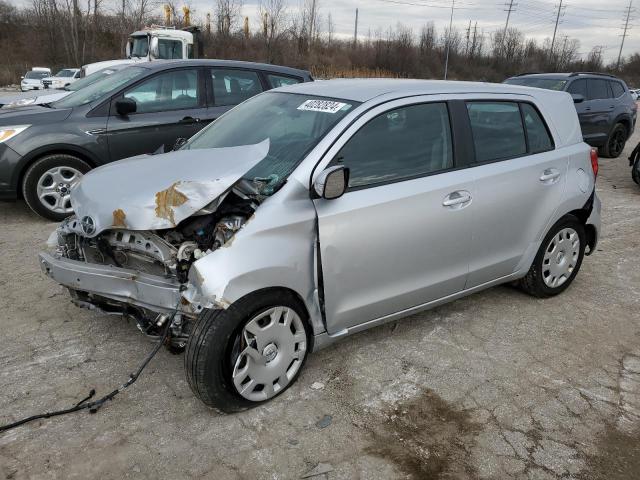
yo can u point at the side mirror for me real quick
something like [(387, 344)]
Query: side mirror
[(577, 98), (154, 51), (125, 106), (179, 143), (22, 77), (332, 182)]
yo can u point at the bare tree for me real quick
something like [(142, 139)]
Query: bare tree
[(273, 16)]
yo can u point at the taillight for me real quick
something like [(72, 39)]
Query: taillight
[(594, 161)]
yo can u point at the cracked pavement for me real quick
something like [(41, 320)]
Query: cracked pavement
[(498, 385)]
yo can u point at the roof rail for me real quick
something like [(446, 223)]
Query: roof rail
[(575, 74), (525, 73)]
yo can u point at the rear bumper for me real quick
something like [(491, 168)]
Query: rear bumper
[(594, 220), (130, 287)]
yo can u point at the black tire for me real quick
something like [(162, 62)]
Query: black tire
[(36, 170), (635, 171), (615, 142), (533, 283), (208, 360)]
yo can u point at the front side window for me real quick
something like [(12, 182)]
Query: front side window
[(578, 87), (174, 90), (399, 144), (497, 130), (94, 92), (276, 81), (293, 124), (169, 49), (537, 133), (598, 89), (231, 87)]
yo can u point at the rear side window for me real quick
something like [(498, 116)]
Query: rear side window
[(578, 87), (231, 87), (598, 89), (399, 144), (497, 130), (616, 88), (276, 81), (537, 133)]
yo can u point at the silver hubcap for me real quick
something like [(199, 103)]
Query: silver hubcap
[(272, 348), (560, 257), (54, 187)]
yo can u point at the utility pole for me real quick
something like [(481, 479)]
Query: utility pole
[(355, 32), (446, 60), (624, 34), (555, 29), (506, 25), (466, 47)]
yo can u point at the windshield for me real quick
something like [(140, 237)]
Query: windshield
[(93, 78), (140, 46), (98, 89), (293, 124), (36, 75), (65, 73), (546, 83)]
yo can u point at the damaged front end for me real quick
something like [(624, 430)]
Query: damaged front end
[(129, 252)]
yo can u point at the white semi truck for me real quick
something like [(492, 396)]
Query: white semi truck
[(154, 43)]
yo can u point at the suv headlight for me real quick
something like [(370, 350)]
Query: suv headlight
[(9, 132)]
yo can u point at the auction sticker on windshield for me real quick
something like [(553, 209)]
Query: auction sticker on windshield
[(326, 106)]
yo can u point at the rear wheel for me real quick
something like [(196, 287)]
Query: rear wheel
[(616, 142), (558, 260), (250, 353), (47, 184)]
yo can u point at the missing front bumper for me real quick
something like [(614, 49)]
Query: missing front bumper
[(130, 287)]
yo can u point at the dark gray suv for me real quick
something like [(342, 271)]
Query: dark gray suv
[(604, 104), (46, 149)]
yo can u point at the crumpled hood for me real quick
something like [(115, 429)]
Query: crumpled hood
[(151, 192)]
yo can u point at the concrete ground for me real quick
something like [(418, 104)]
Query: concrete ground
[(498, 385)]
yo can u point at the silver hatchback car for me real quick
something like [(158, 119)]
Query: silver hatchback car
[(314, 211)]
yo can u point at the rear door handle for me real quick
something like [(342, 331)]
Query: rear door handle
[(457, 199), (189, 120), (550, 175)]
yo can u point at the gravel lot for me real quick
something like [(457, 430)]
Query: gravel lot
[(497, 385)]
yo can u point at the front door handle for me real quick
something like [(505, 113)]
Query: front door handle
[(457, 199), (550, 175)]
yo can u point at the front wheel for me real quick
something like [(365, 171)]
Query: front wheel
[(558, 260), (47, 184), (248, 354)]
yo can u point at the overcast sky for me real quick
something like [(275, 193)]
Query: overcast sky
[(593, 22)]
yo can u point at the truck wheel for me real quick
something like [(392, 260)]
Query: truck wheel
[(615, 143), (47, 184), (249, 353), (558, 260)]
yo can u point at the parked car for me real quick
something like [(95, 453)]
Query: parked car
[(45, 149), (63, 78), (50, 96), (634, 94), (319, 210), (604, 104), (634, 163), (32, 79)]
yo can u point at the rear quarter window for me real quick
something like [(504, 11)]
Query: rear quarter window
[(537, 134), (616, 88)]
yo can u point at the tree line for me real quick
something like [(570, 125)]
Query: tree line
[(70, 33)]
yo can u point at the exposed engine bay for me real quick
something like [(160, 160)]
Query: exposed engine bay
[(166, 253)]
